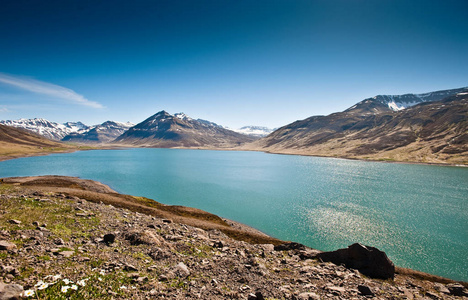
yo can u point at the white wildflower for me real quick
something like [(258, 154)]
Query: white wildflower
[(102, 272), (67, 281), (74, 287), (81, 282), (65, 288), (99, 278), (43, 286), (28, 293), (123, 287), (39, 283)]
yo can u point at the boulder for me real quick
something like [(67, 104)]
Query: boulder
[(368, 260), (456, 289), (109, 238), (289, 246), (10, 291), (143, 237)]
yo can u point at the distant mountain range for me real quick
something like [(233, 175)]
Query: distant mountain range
[(166, 130), (102, 133), (430, 127), (72, 131), (48, 129), (77, 132)]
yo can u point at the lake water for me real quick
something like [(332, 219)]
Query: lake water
[(417, 214)]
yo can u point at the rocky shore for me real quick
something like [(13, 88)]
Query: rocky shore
[(66, 238)]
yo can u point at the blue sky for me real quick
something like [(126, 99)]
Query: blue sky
[(235, 63)]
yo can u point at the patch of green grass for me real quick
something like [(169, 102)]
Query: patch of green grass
[(59, 217)]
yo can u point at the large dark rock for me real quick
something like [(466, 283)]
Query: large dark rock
[(368, 260), (289, 246)]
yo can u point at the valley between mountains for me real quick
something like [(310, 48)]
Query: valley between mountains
[(423, 128)]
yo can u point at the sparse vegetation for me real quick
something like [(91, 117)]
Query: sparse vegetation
[(60, 253)]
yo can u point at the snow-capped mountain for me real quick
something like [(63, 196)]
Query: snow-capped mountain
[(431, 130), (102, 133), (383, 103), (179, 130), (46, 128), (255, 131)]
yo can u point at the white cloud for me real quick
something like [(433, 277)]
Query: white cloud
[(45, 88), (3, 109)]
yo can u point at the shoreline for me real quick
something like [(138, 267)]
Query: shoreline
[(122, 147), (95, 191)]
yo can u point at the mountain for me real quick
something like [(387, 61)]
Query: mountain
[(387, 103), (48, 129), (16, 142), (432, 131), (103, 133), (254, 131), (165, 131)]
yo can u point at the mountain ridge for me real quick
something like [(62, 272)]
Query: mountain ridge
[(432, 131), (165, 130)]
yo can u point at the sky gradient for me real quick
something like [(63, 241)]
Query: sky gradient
[(235, 63)]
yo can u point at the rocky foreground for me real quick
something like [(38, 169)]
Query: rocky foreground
[(57, 245)]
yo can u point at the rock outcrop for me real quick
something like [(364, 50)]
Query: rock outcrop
[(368, 260)]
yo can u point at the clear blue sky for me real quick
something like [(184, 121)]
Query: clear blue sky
[(231, 62)]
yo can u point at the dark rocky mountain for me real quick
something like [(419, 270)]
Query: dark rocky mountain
[(103, 133), (165, 130), (426, 132)]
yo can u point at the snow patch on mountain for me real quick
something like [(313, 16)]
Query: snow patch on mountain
[(46, 128), (256, 131)]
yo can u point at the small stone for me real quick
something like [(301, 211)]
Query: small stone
[(218, 244), (130, 268), (12, 221), (167, 221), (259, 295), (67, 253), (365, 290), (441, 288), (59, 241), (252, 297), (35, 223), (432, 295), (142, 279), (109, 238), (133, 275), (163, 277), (308, 296), (5, 245), (11, 270), (455, 289), (182, 270)]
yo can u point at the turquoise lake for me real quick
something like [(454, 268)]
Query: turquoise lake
[(417, 214)]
